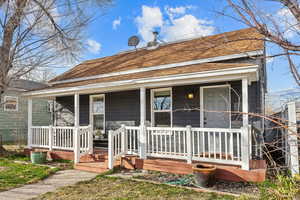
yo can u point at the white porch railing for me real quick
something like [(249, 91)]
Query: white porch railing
[(79, 140), (215, 145)]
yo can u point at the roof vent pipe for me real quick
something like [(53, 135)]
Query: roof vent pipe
[(153, 44)]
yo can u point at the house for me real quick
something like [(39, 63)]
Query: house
[(187, 100), (13, 113)]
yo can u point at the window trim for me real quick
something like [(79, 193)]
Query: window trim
[(92, 114), (158, 111), (17, 104)]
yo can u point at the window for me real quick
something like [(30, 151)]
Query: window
[(97, 114), (10, 103), (161, 115)]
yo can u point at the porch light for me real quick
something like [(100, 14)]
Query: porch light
[(190, 95)]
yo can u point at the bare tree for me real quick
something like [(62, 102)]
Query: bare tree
[(279, 24), (37, 34)]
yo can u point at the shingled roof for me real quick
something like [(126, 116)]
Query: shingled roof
[(229, 43)]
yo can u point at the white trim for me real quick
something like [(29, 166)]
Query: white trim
[(91, 114), (17, 104), (169, 110), (245, 100), (166, 66), (29, 122), (202, 102), (76, 110), (147, 82), (143, 106)]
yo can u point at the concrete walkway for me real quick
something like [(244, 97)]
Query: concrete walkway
[(59, 179)]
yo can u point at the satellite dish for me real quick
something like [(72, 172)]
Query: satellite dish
[(133, 41)]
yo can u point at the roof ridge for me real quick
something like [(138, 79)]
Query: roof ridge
[(168, 43)]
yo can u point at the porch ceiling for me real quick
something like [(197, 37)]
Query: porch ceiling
[(191, 74)]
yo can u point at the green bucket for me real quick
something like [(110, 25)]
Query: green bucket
[(38, 157)]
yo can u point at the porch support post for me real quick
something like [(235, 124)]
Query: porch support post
[(189, 144), (245, 147), (76, 110), (29, 125), (245, 101), (76, 129), (143, 123), (292, 139), (110, 150), (50, 137)]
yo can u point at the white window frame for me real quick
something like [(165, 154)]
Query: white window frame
[(169, 110), (17, 106), (92, 113), (202, 101)]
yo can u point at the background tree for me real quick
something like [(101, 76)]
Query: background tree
[(39, 34), (278, 21)]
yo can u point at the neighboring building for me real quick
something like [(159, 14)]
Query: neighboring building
[(13, 113), (208, 83)]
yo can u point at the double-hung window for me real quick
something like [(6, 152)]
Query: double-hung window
[(10, 103), (161, 107)]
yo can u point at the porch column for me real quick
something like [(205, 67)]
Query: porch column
[(76, 110), (29, 125), (143, 122), (76, 128), (245, 101)]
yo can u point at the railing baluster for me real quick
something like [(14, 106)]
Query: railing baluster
[(226, 147), (220, 145), (231, 145), (184, 134), (214, 133), (238, 145)]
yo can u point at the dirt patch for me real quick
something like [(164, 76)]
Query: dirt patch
[(188, 180)]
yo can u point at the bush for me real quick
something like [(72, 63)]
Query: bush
[(281, 188)]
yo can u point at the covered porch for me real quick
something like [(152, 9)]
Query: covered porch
[(191, 119)]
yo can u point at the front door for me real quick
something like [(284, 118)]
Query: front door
[(215, 106)]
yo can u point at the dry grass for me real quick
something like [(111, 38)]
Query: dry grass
[(108, 188)]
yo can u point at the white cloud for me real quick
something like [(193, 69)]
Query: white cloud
[(177, 24), (93, 46), (151, 18), (288, 22), (175, 11), (185, 27), (116, 23)]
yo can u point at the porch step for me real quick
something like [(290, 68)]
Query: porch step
[(97, 167), (93, 158), (101, 143)]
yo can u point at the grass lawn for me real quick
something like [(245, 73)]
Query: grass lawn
[(16, 174), (120, 189)]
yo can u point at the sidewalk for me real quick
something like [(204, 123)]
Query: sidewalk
[(59, 179)]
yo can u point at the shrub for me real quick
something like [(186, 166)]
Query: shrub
[(281, 188)]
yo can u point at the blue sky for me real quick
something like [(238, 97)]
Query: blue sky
[(174, 19)]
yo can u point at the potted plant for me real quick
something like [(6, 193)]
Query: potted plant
[(38, 157), (204, 174), (97, 134)]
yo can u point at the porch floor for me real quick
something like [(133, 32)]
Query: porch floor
[(257, 173)]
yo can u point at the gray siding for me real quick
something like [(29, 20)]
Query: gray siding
[(123, 107), (13, 124)]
